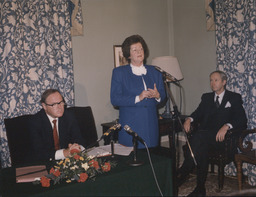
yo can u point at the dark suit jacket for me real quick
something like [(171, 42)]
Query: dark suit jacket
[(41, 134), (230, 111)]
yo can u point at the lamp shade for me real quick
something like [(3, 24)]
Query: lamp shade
[(170, 65)]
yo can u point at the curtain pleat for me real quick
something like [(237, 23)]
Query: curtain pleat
[(35, 54), (236, 56)]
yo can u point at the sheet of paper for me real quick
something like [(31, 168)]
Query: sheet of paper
[(106, 150), (30, 173)]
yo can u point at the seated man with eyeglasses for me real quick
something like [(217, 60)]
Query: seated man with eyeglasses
[(54, 131)]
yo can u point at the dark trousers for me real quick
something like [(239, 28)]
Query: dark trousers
[(201, 143)]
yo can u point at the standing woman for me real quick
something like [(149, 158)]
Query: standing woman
[(137, 89)]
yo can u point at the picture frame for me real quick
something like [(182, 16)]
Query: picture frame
[(119, 59)]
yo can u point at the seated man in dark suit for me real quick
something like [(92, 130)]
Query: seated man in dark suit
[(218, 112), (54, 131)]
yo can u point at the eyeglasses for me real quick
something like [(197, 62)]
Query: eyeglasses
[(55, 105)]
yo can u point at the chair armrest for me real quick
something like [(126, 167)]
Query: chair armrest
[(231, 143), (233, 134), (246, 147)]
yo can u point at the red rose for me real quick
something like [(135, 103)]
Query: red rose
[(45, 181), (106, 167), (94, 164), (83, 177), (52, 171), (56, 173), (77, 157), (74, 151)]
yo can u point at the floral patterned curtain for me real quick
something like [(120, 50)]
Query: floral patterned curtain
[(236, 55), (35, 54)]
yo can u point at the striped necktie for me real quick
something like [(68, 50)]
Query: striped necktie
[(217, 103)]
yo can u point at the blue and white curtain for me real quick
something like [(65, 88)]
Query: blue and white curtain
[(35, 54), (236, 56)]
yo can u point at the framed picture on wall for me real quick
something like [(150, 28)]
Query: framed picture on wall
[(119, 59)]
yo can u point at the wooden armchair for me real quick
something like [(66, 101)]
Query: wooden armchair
[(219, 157), (222, 158), (247, 154)]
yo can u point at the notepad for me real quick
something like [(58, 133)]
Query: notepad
[(30, 173)]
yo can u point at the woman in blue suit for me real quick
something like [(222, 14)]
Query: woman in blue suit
[(137, 89)]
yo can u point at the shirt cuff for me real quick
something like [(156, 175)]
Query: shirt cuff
[(59, 154), (137, 99), (229, 125), (191, 119), (82, 148)]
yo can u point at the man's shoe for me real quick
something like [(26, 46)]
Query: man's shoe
[(198, 191)]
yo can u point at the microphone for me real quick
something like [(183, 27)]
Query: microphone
[(173, 79), (113, 128), (134, 134)]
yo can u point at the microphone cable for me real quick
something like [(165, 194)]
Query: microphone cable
[(153, 171)]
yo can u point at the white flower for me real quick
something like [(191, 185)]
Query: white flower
[(90, 157), (85, 166)]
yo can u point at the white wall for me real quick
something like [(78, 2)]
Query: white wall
[(170, 27), (108, 23), (194, 48)]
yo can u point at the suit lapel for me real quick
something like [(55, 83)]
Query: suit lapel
[(148, 78), (224, 100), (137, 81), (48, 128), (213, 106), (61, 130)]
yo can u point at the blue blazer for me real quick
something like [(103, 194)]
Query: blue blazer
[(142, 117), (41, 134)]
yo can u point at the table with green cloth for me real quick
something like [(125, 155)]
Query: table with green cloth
[(123, 180)]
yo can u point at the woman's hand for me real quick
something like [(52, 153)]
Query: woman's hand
[(144, 94), (150, 93), (153, 93)]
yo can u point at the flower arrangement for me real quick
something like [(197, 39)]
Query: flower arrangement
[(79, 167)]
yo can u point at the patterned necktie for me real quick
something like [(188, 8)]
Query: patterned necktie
[(217, 103), (55, 136)]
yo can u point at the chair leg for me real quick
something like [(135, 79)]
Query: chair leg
[(212, 167), (221, 175), (239, 173)]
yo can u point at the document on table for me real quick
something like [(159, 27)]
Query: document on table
[(30, 173), (106, 150)]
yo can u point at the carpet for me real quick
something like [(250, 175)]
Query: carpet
[(230, 187)]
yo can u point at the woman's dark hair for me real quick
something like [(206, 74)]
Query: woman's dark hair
[(133, 40), (48, 93)]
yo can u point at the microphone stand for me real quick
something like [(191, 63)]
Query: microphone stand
[(177, 115), (135, 162), (112, 145)]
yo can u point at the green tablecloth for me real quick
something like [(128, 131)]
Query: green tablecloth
[(123, 180)]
